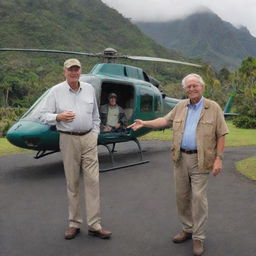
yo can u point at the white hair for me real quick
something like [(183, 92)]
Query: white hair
[(198, 77)]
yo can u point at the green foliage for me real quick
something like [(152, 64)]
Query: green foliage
[(245, 85), (245, 122), (11, 113), (8, 116), (248, 67), (223, 75)]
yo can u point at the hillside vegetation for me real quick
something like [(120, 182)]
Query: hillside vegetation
[(76, 25)]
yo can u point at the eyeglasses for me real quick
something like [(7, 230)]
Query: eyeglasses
[(191, 86)]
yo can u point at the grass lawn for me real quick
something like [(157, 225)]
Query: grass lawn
[(6, 148), (238, 137), (247, 167)]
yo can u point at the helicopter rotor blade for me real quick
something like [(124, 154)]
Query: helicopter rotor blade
[(48, 51), (109, 54), (145, 58)]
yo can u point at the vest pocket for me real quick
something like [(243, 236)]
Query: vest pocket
[(176, 124), (207, 128)]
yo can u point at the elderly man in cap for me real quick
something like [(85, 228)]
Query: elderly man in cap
[(112, 116), (72, 107)]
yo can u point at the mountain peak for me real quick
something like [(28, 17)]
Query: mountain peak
[(205, 35), (244, 29), (203, 9)]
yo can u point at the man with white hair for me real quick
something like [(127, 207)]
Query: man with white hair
[(199, 131)]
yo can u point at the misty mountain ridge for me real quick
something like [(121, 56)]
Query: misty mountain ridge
[(204, 35)]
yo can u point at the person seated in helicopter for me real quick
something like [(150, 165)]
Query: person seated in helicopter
[(112, 116)]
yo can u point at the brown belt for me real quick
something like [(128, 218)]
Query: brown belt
[(188, 151), (76, 133)]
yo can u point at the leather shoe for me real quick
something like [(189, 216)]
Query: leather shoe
[(182, 237), (198, 248), (104, 234), (71, 233)]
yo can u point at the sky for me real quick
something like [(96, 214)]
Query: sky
[(237, 12)]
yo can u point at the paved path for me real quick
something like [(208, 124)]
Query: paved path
[(138, 206)]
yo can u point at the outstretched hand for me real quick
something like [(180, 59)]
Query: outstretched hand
[(136, 125)]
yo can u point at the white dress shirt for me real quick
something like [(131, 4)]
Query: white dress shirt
[(82, 102)]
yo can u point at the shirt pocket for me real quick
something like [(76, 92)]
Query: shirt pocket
[(87, 105), (65, 106)]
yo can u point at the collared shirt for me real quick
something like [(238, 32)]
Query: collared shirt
[(189, 136), (113, 112), (82, 102)]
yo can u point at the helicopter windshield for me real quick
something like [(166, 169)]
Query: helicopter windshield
[(33, 113)]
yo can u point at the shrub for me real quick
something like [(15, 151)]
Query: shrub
[(245, 122), (8, 116)]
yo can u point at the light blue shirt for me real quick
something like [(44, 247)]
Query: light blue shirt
[(82, 102), (189, 136)]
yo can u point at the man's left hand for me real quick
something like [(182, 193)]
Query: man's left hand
[(217, 166)]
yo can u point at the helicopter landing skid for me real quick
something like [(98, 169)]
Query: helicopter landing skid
[(42, 153), (111, 153)]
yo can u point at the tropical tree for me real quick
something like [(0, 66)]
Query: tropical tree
[(245, 80)]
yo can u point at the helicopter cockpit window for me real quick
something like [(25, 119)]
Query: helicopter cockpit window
[(131, 72), (34, 112), (113, 69), (146, 102)]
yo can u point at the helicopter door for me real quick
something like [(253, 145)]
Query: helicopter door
[(125, 96)]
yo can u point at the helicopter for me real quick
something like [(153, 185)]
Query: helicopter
[(138, 93)]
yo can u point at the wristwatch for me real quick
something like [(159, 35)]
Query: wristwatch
[(221, 156)]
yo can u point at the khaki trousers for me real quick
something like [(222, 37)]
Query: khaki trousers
[(191, 195), (80, 154)]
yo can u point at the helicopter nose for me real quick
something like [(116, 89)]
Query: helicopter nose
[(32, 135), (18, 133)]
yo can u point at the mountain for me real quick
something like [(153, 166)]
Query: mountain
[(204, 35), (74, 25), (87, 25)]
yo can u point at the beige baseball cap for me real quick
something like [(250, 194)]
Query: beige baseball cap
[(72, 62)]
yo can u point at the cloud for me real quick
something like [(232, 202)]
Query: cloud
[(238, 12)]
